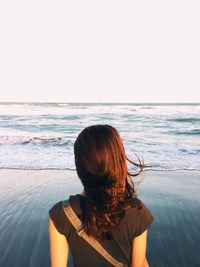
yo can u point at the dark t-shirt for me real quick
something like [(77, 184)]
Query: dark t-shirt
[(134, 223)]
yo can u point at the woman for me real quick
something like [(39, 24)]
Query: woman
[(108, 207)]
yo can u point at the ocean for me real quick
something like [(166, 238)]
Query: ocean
[(41, 135), (37, 170)]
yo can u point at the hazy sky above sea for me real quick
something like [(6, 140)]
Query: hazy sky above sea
[(100, 51)]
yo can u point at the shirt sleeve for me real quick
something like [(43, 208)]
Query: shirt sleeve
[(144, 219), (56, 215)]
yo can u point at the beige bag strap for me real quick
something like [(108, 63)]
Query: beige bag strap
[(75, 221)]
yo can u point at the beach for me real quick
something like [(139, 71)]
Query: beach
[(27, 195)]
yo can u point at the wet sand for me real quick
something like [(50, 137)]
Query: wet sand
[(27, 195)]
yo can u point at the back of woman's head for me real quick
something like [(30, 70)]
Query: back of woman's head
[(100, 157), (101, 166)]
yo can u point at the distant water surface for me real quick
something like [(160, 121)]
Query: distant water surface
[(41, 135)]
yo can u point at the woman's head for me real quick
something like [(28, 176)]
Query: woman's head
[(100, 157), (101, 166)]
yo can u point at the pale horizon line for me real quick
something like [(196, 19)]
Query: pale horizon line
[(83, 102)]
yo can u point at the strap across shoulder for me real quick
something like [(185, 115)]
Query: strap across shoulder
[(75, 221)]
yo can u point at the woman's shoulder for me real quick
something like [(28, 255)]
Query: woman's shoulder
[(57, 214), (139, 216), (57, 208)]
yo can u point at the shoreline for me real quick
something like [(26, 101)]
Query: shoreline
[(27, 195), (70, 169)]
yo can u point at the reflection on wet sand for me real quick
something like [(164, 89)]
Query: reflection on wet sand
[(26, 197)]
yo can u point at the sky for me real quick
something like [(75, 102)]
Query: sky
[(100, 51)]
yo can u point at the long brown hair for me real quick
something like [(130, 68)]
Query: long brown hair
[(102, 168)]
